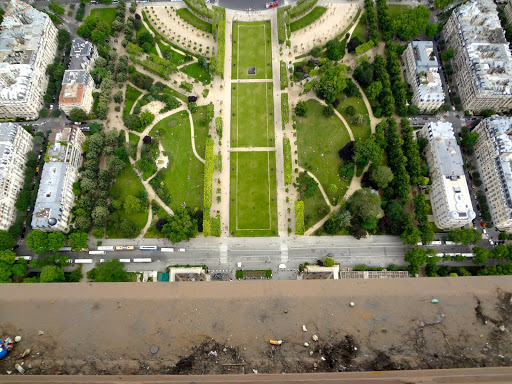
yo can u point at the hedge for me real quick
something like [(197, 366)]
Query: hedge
[(287, 153), (218, 126), (215, 225), (285, 109), (299, 217), (208, 174), (283, 73), (221, 42), (301, 8), (156, 65), (281, 24), (133, 49), (207, 225), (199, 8), (364, 47)]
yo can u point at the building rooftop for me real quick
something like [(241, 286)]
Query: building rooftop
[(428, 80), (7, 134), (81, 53), (485, 46), (71, 93)]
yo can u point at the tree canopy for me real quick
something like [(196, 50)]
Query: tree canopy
[(381, 175), (180, 226), (411, 23), (365, 204), (332, 82), (109, 271)]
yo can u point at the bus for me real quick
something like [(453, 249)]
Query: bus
[(108, 248), (143, 260), (83, 261), (28, 258), (97, 252), (125, 248), (437, 242), (148, 248), (125, 260), (167, 249), (65, 249)]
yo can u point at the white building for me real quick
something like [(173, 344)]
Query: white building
[(449, 195), (77, 83), (55, 196), (15, 143), (482, 62), (28, 44), (421, 72), (493, 151)]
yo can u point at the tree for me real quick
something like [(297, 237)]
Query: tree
[(411, 23), (56, 240), (413, 110), (332, 82), (115, 165), (83, 223), (78, 241), (374, 90), (416, 257), (180, 226), (328, 262), (98, 37), (433, 29), (145, 37), (146, 118), (447, 55), (411, 234), (77, 114), (129, 228), (465, 236), (481, 255), (347, 152), (301, 109), (160, 224), (37, 241), (364, 74), (351, 90), (306, 185), (350, 110), (131, 204), (109, 271), (6, 240), (365, 204), (335, 49), (88, 185), (132, 122), (328, 110), (99, 216), (118, 97), (52, 274), (366, 151), (381, 175), (469, 139)]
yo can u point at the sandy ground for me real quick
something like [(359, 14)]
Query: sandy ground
[(109, 328)]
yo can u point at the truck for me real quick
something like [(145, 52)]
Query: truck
[(97, 252), (108, 248), (272, 4)]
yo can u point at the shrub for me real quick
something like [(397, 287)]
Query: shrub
[(287, 153), (285, 109), (218, 126), (283, 75), (328, 262), (302, 7), (200, 9), (281, 24), (364, 47), (301, 109), (187, 86), (208, 174), (133, 49), (221, 47), (299, 217), (207, 231)]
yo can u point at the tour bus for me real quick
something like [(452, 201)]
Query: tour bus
[(450, 243), (436, 243), (167, 249), (125, 248), (108, 248), (148, 248), (97, 252), (142, 260), (65, 249), (83, 261), (124, 260), (28, 258)]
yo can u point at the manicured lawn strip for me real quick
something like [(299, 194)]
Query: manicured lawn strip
[(287, 155), (315, 133), (283, 73), (285, 109), (176, 94), (201, 127), (108, 15), (253, 194), (307, 19), (130, 97), (252, 48), (315, 209), (153, 48), (184, 174), (395, 10), (198, 72), (253, 273), (134, 138), (361, 30), (127, 183), (177, 58), (359, 131), (193, 20), (252, 123)]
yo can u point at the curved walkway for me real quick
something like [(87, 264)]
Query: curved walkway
[(373, 120)]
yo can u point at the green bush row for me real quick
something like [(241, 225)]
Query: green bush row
[(208, 174), (287, 153), (134, 49), (200, 9), (221, 48), (156, 65), (218, 126), (299, 217), (281, 24), (301, 8), (283, 73), (364, 47), (285, 109), (207, 225), (215, 225)]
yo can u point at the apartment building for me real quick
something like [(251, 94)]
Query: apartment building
[(421, 72), (449, 194), (15, 143), (77, 83), (482, 62), (55, 197), (28, 44), (493, 151)]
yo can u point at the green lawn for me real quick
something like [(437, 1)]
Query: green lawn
[(395, 10), (315, 208), (129, 99), (134, 139), (252, 123), (127, 183), (177, 58), (361, 30), (308, 19), (201, 128), (153, 48), (252, 48), (359, 131), (193, 20), (253, 206), (198, 72), (184, 175), (176, 94), (108, 15), (319, 139), (160, 213)]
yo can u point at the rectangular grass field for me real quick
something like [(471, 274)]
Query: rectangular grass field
[(253, 206), (252, 111), (252, 47), (108, 15)]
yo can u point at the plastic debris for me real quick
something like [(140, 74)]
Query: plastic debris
[(17, 339), (306, 344), (304, 328), (435, 301), (276, 342), (40, 333), (255, 371), (323, 358), (8, 372), (19, 368), (315, 338), (310, 353), (352, 304), (502, 328)]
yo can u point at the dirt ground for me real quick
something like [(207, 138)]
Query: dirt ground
[(225, 327)]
